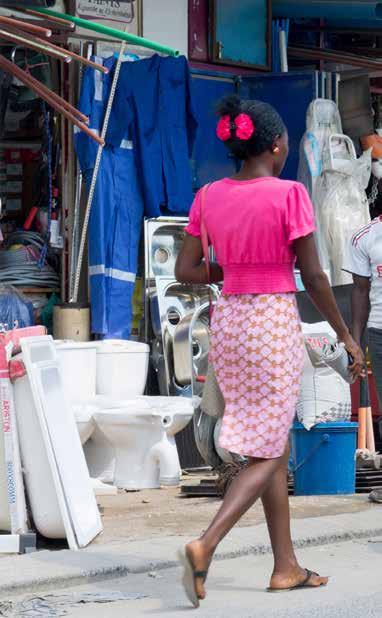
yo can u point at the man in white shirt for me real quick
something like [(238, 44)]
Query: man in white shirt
[(364, 261)]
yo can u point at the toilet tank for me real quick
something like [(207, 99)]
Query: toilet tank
[(122, 368), (78, 362)]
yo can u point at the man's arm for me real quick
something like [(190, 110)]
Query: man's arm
[(360, 306)]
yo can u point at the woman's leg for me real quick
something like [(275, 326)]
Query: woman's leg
[(286, 572), (266, 478), (241, 495)]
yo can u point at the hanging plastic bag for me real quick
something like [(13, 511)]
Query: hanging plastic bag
[(15, 310), (342, 207), (322, 120)]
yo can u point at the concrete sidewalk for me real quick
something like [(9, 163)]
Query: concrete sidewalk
[(57, 569)]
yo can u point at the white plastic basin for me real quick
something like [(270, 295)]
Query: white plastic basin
[(37, 471)]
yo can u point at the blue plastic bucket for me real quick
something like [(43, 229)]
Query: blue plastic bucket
[(324, 459)]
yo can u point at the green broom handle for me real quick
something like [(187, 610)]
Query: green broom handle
[(113, 32)]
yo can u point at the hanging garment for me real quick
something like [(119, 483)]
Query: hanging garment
[(153, 103), (116, 214)]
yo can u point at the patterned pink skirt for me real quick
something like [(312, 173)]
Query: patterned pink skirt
[(257, 352)]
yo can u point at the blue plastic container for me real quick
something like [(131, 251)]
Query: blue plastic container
[(324, 459)]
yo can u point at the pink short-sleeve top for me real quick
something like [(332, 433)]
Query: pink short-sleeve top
[(251, 225)]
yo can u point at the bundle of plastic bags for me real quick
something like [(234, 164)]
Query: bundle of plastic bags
[(325, 394)]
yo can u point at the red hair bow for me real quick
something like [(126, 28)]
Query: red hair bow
[(242, 125)]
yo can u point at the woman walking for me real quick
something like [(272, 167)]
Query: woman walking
[(258, 226)]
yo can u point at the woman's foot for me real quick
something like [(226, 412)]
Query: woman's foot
[(296, 577), (200, 559)]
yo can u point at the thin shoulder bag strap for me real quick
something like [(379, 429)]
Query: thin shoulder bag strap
[(205, 243), (204, 233)]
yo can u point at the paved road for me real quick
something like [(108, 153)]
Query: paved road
[(236, 589)]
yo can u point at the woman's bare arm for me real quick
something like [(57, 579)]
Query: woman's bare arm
[(190, 267), (317, 285)]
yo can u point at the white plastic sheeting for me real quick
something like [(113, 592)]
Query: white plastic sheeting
[(336, 181), (322, 120), (342, 207)]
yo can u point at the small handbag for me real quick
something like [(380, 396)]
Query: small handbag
[(212, 402)]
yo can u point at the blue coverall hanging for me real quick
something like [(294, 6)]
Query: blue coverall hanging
[(153, 104), (116, 215)]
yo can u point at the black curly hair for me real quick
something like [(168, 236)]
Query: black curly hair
[(268, 126)]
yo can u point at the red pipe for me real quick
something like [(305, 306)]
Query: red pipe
[(25, 26), (55, 20), (9, 67), (81, 59), (17, 36), (32, 82), (30, 218)]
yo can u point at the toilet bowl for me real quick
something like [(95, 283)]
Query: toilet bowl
[(100, 456), (83, 415), (142, 433)]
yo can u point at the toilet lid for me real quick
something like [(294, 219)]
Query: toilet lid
[(105, 402), (67, 344), (169, 405), (122, 415), (121, 346)]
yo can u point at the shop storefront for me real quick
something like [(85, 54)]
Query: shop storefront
[(107, 131)]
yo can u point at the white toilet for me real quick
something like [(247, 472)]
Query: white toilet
[(128, 439), (142, 432), (121, 373)]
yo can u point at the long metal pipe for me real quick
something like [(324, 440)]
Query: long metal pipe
[(78, 58), (11, 68), (328, 9), (113, 32), (53, 95), (54, 20), (18, 37), (315, 53), (21, 25)]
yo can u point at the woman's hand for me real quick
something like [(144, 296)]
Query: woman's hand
[(357, 368)]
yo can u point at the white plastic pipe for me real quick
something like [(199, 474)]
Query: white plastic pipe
[(283, 51)]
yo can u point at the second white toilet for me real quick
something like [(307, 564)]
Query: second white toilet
[(142, 432)]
